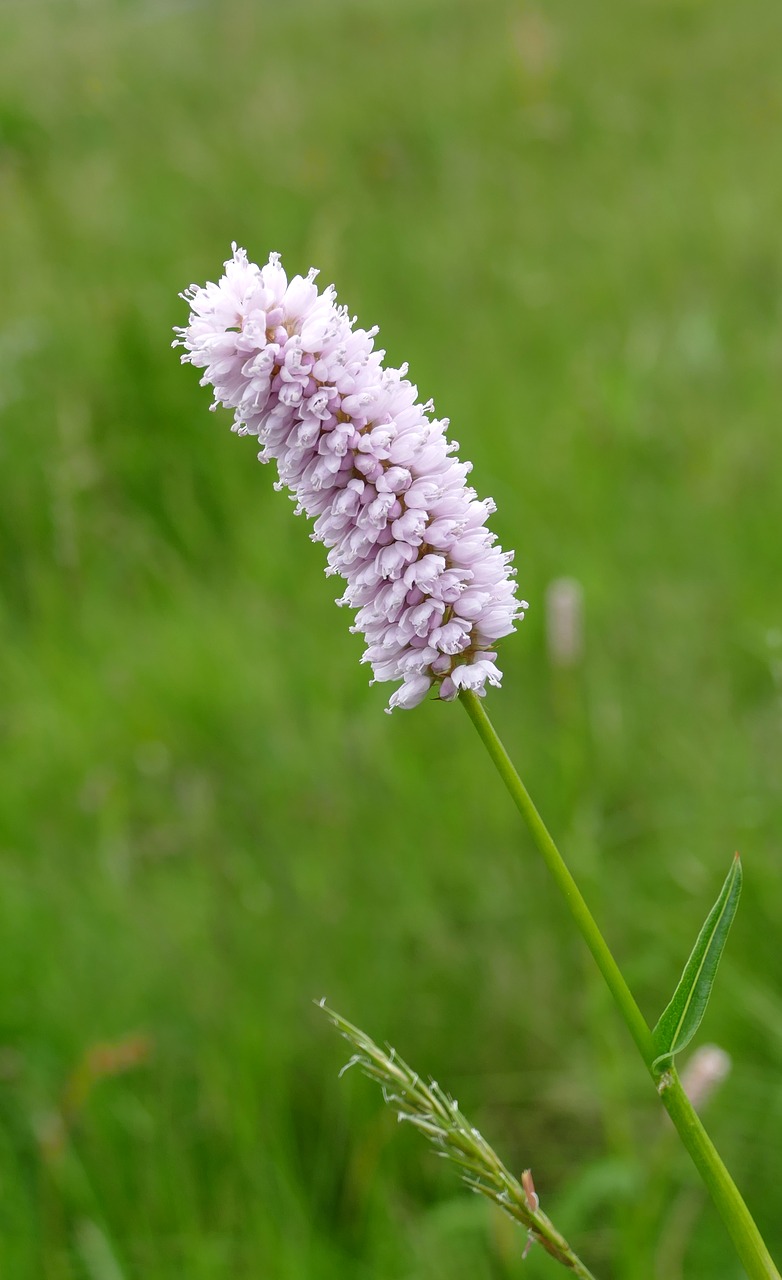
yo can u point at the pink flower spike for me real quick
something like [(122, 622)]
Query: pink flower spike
[(376, 471)]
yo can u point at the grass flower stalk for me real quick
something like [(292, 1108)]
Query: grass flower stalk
[(437, 1116), (749, 1243)]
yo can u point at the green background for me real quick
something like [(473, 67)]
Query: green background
[(567, 219)]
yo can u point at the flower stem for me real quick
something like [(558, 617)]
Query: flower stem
[(748, 1241), (554, 861)]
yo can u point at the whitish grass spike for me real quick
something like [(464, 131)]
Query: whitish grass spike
[(431, 1110)]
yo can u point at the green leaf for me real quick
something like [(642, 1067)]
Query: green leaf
[(683, 1016)]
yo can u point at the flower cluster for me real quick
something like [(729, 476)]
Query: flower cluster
[(370, 465)]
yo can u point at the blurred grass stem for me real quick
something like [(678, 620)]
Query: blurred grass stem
[(748, 1241)]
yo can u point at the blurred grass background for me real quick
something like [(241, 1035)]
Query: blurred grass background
[(566, 217)]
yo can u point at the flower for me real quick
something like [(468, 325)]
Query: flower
[(370, 465)]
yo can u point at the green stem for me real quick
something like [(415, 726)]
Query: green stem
[(748, 1242), (556, 865), (747, 1239)]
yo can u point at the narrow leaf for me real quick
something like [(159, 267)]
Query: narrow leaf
[(683, 1016)]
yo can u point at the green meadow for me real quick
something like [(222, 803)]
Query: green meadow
[(566, 218)]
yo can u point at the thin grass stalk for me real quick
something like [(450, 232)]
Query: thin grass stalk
[(436, 1114)]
